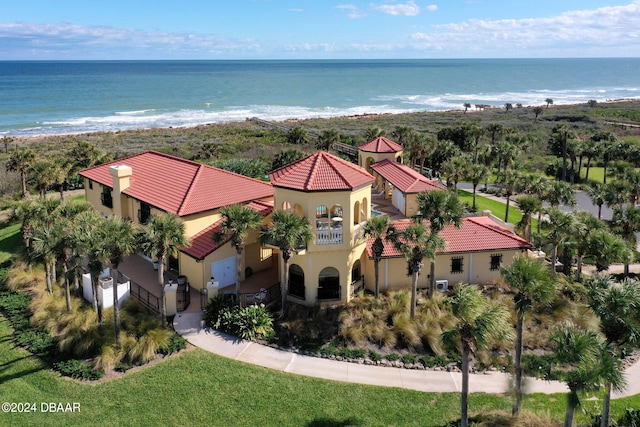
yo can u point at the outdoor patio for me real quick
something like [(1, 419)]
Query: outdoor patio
[(145, 287)]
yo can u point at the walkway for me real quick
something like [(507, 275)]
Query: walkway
[(188, 325)]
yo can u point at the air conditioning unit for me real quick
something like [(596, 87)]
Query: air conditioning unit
[(442, 285), (106, 282)]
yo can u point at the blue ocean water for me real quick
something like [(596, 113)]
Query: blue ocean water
[(66, 97)]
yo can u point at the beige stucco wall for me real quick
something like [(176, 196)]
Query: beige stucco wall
[(365, 159), (476, 269), (93, 197)]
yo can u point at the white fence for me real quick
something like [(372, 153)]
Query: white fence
[(105, 289)]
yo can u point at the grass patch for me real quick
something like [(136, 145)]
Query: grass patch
[(596, 174), (497, 208), (10, 241), (199, 388)]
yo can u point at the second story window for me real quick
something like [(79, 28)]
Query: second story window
[(144, 213), (106, 198)]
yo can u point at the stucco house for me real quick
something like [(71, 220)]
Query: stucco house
[(336, 195)]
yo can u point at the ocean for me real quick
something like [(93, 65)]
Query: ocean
[(70, 97)]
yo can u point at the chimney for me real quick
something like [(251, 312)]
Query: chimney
[(121, 181), (121, 177)]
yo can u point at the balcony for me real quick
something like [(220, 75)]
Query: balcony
[(329, 232)]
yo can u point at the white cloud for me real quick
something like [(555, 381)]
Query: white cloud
[(432, 7), (579, 29), (352, 10), (408, 9)]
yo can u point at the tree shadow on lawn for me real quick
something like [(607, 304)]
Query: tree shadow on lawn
[(327, 422)]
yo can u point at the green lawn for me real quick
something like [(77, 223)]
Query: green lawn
[(596, 174), (497, 208), (199, 388), (10, 240)]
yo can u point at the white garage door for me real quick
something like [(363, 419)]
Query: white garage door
[(224, 271)]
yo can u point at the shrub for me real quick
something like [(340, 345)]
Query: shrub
[(409, 359), (78, 369), (375, 356), (37, 341), (175, 344), (122, 367), (252, 322), (391, 357)]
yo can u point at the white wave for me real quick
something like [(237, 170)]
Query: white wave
[(126, 113)]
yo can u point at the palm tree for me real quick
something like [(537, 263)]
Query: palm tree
[(416, 243), (528, 205), (560, 193), (120, 241), (378, 228), (578, 352), (560, 227), (454, 170), (560, 136), (597, 194), (495, 130), (297, 136), (237, 221), (373, 133), (290, 233), (548, 101), (590, 149), (466, 106), (440, 208), (163, 236), (537, 111), (21, 161), (510, 180), (45, 241), (326, 139), (476, 132), (532, 284), (626, 223), (478, 322), (92, 227), (582, 237), (476, 173), (618, 307), (606, 248), (47, 173)]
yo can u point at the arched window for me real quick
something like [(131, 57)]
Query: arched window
[(296, 281), (357, 217), (329, 284), (364, 209), (286, 206), (297, 209)]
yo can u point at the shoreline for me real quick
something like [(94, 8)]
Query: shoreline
[(34, 139)]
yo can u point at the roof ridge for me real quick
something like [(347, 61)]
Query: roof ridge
[(336, 170), (500, 230), (313, 170), (189, 191)]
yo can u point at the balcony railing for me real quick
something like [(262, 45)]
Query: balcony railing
[(329, 293), (329, 237), (358, 285)]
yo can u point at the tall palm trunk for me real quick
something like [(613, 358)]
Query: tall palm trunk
[(518, 364), (97, 304), (47, 277), (432, 278), (464, 396), (414, 291), (606, 406), (67, 287), (572, 404), (506, 212)]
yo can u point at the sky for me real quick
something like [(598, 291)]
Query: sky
[(317, 29)]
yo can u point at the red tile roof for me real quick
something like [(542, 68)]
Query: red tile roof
[(477, 234), (202, 244), (380, 145), (320, 172), (180, 186), (404, 178)]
